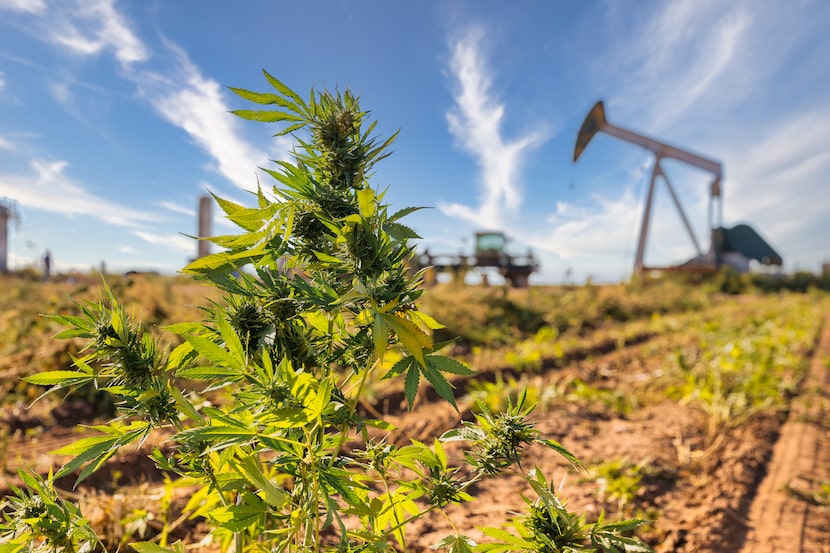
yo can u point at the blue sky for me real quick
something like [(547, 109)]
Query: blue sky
[(113, 119)]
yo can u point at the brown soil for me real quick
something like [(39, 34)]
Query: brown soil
[(752, 488), (784, 515)]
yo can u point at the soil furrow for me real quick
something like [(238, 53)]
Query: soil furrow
[(782, 517)]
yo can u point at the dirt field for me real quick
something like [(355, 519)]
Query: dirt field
[(734, 495), (752, 486)]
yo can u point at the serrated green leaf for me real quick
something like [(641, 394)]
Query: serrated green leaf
[(269, 116), (12, 547), (237, 518), (83, 445), (227, 206), (464, 433), (625, 525), (413, 377), (96, 450), (214, 353), (400, 367), (560, 449), (401, 232), (404, 212), (318, 320), (232, 341), (329, 259), (118, 322), (73, 321), (285, 91), (70, 333), (220, 435), (252, 470), (289, 227), (291, 128), (613, 542), (442, 387), (455, 543), (62, 378), (185, 328), (185, 406), (447, 365), (33, 481), (210, 372), (236, 242), (180, 356), (255, 97), (223, 263), (380, 424), (503, 535), (252, 219), (150, 547)]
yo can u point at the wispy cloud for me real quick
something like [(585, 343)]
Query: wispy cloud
[(782, 179), (179, 93), (27, 6), (47, 187), (475, 122), (177, 208), (60, 92), (595, 231), (176, 242), (90, 27), (196, 104), (684, 55), (6, 145)]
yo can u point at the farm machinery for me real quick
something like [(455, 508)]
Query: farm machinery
[(490, 251), (736, 246)]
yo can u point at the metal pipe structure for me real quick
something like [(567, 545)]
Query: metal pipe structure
[(203, 247), (5, 214), (596, 122)]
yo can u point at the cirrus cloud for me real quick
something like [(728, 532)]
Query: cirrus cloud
[(475, 121)]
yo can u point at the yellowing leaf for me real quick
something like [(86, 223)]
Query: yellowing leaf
[(412, 337), (318, 320), (366, 201), (430, 323)]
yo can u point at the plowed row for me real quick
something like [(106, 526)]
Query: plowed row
[(750, 486)]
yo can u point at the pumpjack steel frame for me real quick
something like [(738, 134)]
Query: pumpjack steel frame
[(596, 122)]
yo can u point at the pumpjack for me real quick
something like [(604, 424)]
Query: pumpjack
[(735, 246)]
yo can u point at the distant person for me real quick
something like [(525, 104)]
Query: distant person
[(47, 266)]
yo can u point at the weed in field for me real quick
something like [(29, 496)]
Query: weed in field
[(524, 357), (819, 496), (601, 400), (619, 481), (743, 366)]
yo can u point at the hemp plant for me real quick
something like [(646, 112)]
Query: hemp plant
[(318, 289)]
